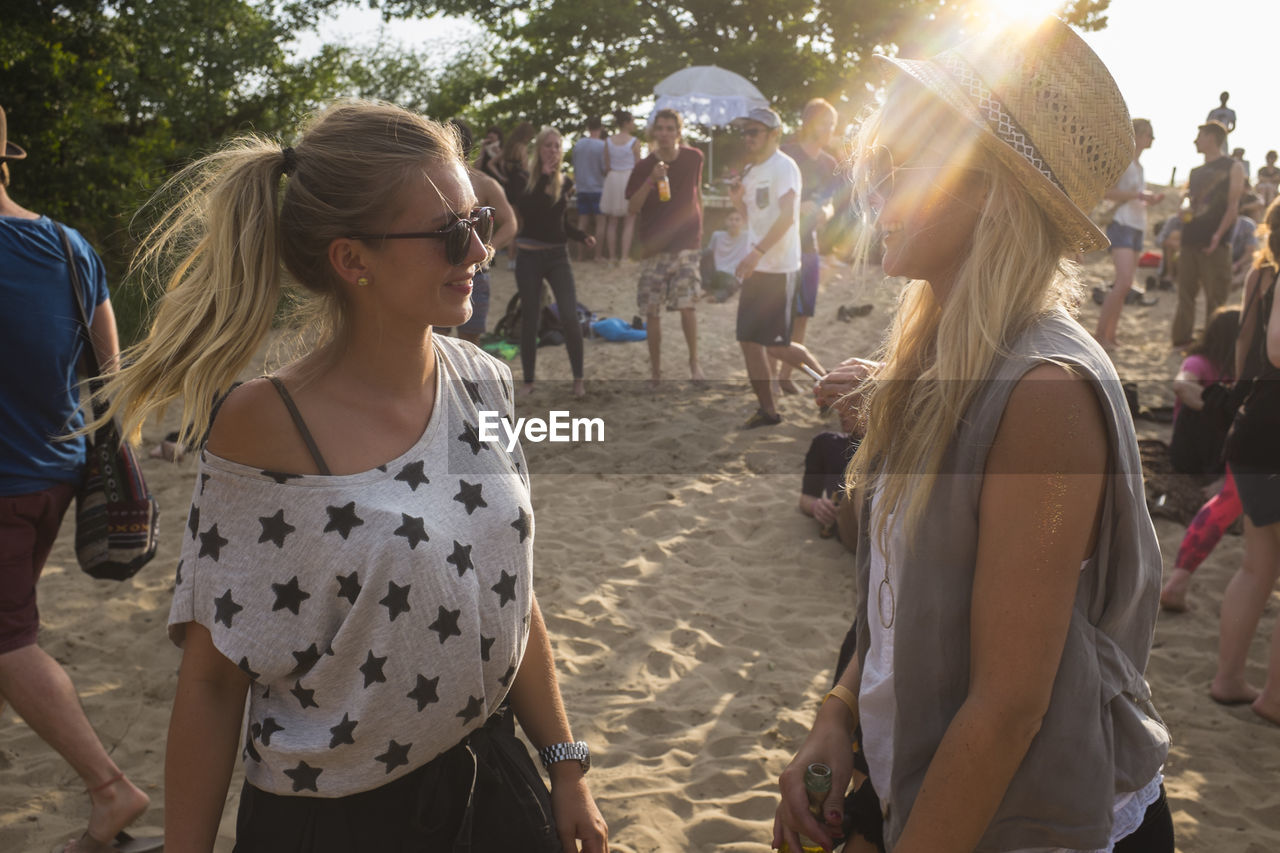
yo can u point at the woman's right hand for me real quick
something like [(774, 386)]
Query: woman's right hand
[(829, 742)]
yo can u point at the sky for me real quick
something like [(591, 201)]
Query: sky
[(1152, 51)]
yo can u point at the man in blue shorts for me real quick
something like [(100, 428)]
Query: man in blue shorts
[(769, 196), (588, 177)]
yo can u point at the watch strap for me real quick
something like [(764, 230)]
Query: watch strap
[(573, 751)]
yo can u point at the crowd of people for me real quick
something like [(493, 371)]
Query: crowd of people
[(986, 474)]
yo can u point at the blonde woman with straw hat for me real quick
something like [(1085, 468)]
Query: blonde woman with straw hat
[(1007, 569), (357, 565)]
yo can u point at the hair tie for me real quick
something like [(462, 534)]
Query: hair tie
[(290, 160)]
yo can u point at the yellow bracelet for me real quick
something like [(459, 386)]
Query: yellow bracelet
[(845, 695)]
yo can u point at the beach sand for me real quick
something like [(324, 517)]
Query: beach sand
[(694, 612)]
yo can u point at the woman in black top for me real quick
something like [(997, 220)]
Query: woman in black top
[(544, 233), (1253, 454)]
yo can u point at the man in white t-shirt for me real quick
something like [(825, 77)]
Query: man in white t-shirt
[(769, 196)]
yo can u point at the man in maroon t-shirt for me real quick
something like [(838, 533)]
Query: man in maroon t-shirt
[(669, 236)]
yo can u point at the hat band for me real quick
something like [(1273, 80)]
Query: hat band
[(998, 119)]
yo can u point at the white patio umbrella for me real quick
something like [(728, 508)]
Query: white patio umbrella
[(707, 95)]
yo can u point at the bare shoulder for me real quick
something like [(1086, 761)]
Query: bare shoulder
[(486, 188), (254, 428), (1053, 418)]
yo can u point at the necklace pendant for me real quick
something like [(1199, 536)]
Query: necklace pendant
[(883, 592)]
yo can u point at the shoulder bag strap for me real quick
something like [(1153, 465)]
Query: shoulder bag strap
[(90, 355)]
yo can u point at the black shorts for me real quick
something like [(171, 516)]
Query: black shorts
[(764, 309)]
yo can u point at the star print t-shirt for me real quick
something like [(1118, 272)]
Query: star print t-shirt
[(382, 615)]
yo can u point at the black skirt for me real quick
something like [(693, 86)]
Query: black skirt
[(482, 795)]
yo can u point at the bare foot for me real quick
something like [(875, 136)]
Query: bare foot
[(1226, 692), (1269, 711), (579, 388), (526, 389), (695, 373), (655, 382), (1173, 597), (788, 387), (116, 804)]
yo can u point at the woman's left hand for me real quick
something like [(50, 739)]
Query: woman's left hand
[(576, 815)]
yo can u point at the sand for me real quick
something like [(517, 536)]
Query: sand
[(694, 612)]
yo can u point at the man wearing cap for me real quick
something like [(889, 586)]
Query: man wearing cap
[(40, 333), (669, 235), (1204, 261), (769, 197)]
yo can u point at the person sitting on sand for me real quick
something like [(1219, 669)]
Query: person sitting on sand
[(725, 250), (39, 475), (1007, 568), (356, 564), (1253, 454)]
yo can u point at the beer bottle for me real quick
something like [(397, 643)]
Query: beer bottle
[(817, 784), (664, 189)]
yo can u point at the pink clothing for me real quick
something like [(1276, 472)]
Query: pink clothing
[(1209, 526)]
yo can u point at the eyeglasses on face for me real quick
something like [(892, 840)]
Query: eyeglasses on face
[(876, 173), (754, 131), (457, 236)]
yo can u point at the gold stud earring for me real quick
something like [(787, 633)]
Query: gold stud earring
[(362, 282)]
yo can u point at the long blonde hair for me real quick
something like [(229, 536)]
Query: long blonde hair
[(230, 242), (937, 356), (555, 183)]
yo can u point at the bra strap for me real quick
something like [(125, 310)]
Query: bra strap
[(301, 425)]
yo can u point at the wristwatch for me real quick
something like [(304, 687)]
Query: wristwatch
[(577, 751)]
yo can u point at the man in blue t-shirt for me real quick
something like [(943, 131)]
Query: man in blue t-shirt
[(42, 343)]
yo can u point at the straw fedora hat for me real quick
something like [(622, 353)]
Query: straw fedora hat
[(1047, 108), (8, 151)]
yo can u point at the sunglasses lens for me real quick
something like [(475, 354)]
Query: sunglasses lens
[(484, 224)]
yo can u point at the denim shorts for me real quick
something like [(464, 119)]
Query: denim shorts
[(588, 203), (1124, 237)]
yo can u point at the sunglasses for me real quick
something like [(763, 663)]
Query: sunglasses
[(875, 174), (457, 237), (754, 131)]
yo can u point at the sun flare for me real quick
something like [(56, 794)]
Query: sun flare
[(1000, 11)]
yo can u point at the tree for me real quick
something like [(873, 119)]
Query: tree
[(560, 60)]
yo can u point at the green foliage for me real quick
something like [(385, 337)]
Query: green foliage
[(558, 61)]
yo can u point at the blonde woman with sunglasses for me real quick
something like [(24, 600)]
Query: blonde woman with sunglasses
[(356, 563), (1007, 569)]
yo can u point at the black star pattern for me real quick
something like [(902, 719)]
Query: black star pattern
[(306, 658), (244, 666), (371, 669), (269, 727), (304, 777), (425, 691), (461, 558), (470, 436), (343, 519), (486, 643), (306, 698), (250, 751), (178, 578), (413, 529), (193, 521), (225, 609), (469, 496), (383, 467), (505, 588), (211, 543), (204, 478), (473, 391), (343, 732), (281, 477), (413, 475), (446, 624), (275, 528), (475, 707), (396, 600), (395, 756), (349, 586), (521, 524), (288, 595), (505, 678)]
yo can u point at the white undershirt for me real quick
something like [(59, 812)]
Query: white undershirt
[(877, 704)]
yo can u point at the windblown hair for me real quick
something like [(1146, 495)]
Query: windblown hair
[(555, 183), (1268, 254), (936, 357), (227, 242)]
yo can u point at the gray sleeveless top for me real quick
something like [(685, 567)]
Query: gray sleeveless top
[(1101, 735)]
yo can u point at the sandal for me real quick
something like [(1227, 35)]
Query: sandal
[(122, 843)]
